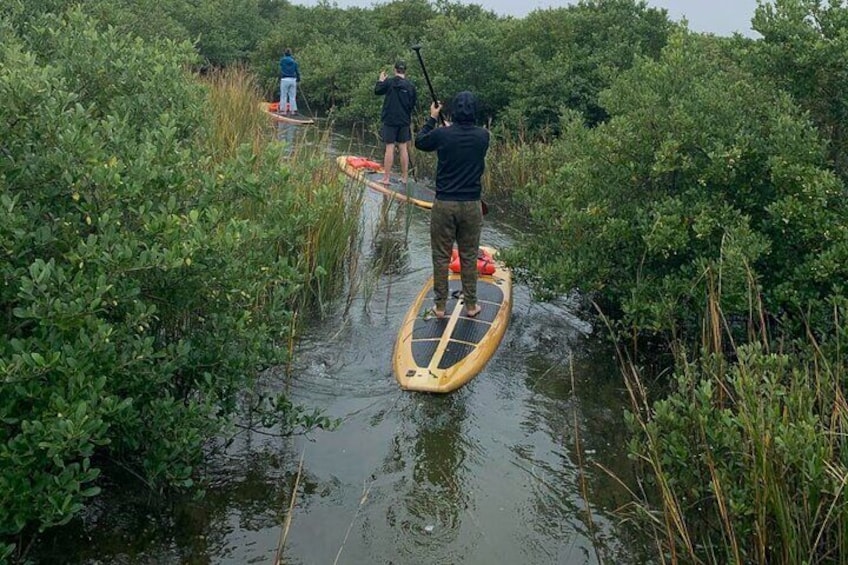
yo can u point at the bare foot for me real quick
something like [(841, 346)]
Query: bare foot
[(471, 312), (385, 181), (431, 313)]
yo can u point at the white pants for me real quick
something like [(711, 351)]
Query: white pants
[(288, 91)]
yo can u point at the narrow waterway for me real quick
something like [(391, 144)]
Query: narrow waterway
[(488, 474)]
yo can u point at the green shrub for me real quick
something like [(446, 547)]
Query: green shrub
[(802, 50), (701, 168), (564, 58), (148, 274)]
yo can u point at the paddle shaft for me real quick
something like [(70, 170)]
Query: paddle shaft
[(417, 49), (302, 95)]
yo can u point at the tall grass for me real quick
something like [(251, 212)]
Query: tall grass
[(234, 100), (332, 238), (514, 163), (748, 453), (389, 252), (304, 219)]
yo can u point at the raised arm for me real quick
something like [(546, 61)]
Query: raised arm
[(428, 138), (382, 85)]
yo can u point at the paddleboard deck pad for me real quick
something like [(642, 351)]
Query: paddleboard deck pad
[(441, 355), (271, 109), (370, 172)]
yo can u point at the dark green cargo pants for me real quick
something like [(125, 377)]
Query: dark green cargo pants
[(458, 222)]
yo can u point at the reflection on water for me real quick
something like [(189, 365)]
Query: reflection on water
[(286, 132), (437, 498), (389, 242), (487, 474)]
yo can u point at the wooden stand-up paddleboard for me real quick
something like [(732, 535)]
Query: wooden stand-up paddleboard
[(435, 355), (270, 108), (370, 172)]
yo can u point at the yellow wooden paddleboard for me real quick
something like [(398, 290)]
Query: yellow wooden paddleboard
[(369, 172), (435, 355), (268, 108)]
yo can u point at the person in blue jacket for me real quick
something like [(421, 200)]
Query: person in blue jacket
[(457, 214), (289, 77)]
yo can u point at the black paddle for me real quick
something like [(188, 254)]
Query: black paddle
[(417, 49), (303, 96)]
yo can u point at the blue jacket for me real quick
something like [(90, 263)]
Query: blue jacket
[(289, 68)]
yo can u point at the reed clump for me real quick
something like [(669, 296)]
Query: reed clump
[(748, 454), (517, 162), (295, 202), (234, 112)]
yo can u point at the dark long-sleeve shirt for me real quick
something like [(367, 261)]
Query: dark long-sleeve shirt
[(399, 101), (461, 149)]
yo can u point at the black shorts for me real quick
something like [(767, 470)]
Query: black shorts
[(396, 134)]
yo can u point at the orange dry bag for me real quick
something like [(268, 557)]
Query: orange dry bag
[(485, 262), (363, 163)]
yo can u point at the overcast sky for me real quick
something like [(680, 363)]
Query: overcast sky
[(722, 17)]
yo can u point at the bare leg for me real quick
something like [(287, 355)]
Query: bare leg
[(404, 162), (388, 162)]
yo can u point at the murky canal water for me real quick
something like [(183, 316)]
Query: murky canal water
[(487, 474)]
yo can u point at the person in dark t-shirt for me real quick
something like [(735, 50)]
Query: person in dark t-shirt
[(398, 103), (457, 214)]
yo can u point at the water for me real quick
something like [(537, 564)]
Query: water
[(487, 474)]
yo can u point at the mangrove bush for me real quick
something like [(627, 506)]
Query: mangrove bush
[(151, 265)]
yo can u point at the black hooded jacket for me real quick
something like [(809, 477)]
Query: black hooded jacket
[(461, 148), (399, 101)]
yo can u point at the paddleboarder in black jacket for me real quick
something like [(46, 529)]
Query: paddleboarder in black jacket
[(457, 214), (398, 104)]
